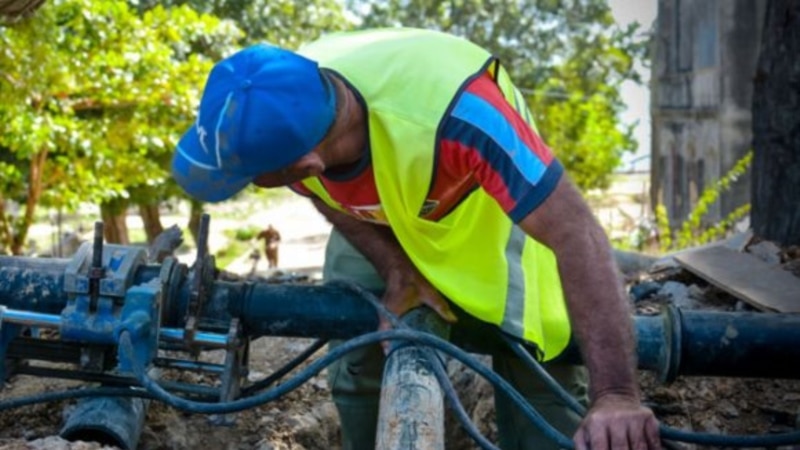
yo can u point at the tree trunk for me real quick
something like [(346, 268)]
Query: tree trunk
[(115, 228), (23, 224), (14, 9), (776, 127), (151, 218)]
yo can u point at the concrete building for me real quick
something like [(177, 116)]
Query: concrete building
[(705, 55)]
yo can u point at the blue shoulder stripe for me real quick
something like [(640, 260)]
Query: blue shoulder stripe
[(482, 115)]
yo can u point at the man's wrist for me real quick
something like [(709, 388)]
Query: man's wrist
[(628, 393)]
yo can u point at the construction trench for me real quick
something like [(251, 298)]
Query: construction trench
[(111, 318)]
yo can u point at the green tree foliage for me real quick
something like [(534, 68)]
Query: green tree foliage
[(287, 23), (93, 98), (567, 56)]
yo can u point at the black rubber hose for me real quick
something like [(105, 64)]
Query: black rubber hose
[(154, 391), (438, 367), (707, 439), (288, 367), (71, 394), (126, 346)]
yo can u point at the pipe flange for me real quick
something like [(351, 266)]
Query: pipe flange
[(673, 344)]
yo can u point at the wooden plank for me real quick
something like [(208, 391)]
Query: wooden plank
[(766, 287), (738, 242)]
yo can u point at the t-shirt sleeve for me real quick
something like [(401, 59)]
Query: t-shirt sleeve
[(491, 137)]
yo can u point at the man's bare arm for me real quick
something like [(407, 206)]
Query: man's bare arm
[(600, 318), (597, 306)]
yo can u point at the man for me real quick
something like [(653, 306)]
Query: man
[(419, 150), (271, 238)]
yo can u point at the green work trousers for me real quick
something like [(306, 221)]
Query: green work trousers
[(355, 379)]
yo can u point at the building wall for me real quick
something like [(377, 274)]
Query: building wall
[(705, 54)]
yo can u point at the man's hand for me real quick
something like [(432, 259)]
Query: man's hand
[(618, 422), (407, 289)]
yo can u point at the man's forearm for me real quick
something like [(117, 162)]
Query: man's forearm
[(598, 309), (604, 331)]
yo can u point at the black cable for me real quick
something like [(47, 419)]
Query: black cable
[(708, 439), (438, 366), (402, 333), (126, 346), (447, 386), (554, 385), (70, 394), (542, 373), (288, 367), (732, 440), (159, 393)]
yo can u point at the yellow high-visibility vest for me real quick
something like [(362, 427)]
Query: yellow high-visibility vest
[(476, 256)]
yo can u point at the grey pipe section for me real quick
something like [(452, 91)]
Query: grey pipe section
[(411, 413)]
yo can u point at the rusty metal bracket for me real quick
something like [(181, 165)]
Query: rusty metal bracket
[(235, 370), (201, 276)]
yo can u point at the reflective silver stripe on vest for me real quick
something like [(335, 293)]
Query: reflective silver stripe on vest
[(515, 295)]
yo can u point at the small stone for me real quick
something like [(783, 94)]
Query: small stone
[(727, 409), (679, 294), (696, 292), (264, 444), (644, 290), (766, 251), (741, 306)]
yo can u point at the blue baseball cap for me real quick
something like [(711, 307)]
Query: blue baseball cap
[(262, 109)]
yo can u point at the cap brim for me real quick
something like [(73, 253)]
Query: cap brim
[(200, 180)]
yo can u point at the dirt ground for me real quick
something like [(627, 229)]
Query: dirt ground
[(306, 419)]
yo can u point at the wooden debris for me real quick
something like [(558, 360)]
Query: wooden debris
[(746, 277), (737, 242)]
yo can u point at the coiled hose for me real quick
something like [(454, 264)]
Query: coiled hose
[(254, 398)]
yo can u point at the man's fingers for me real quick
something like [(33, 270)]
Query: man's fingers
[(435, 301), (618, 437), (442, 309), (652, 435), (594, 434), (580, 440)]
